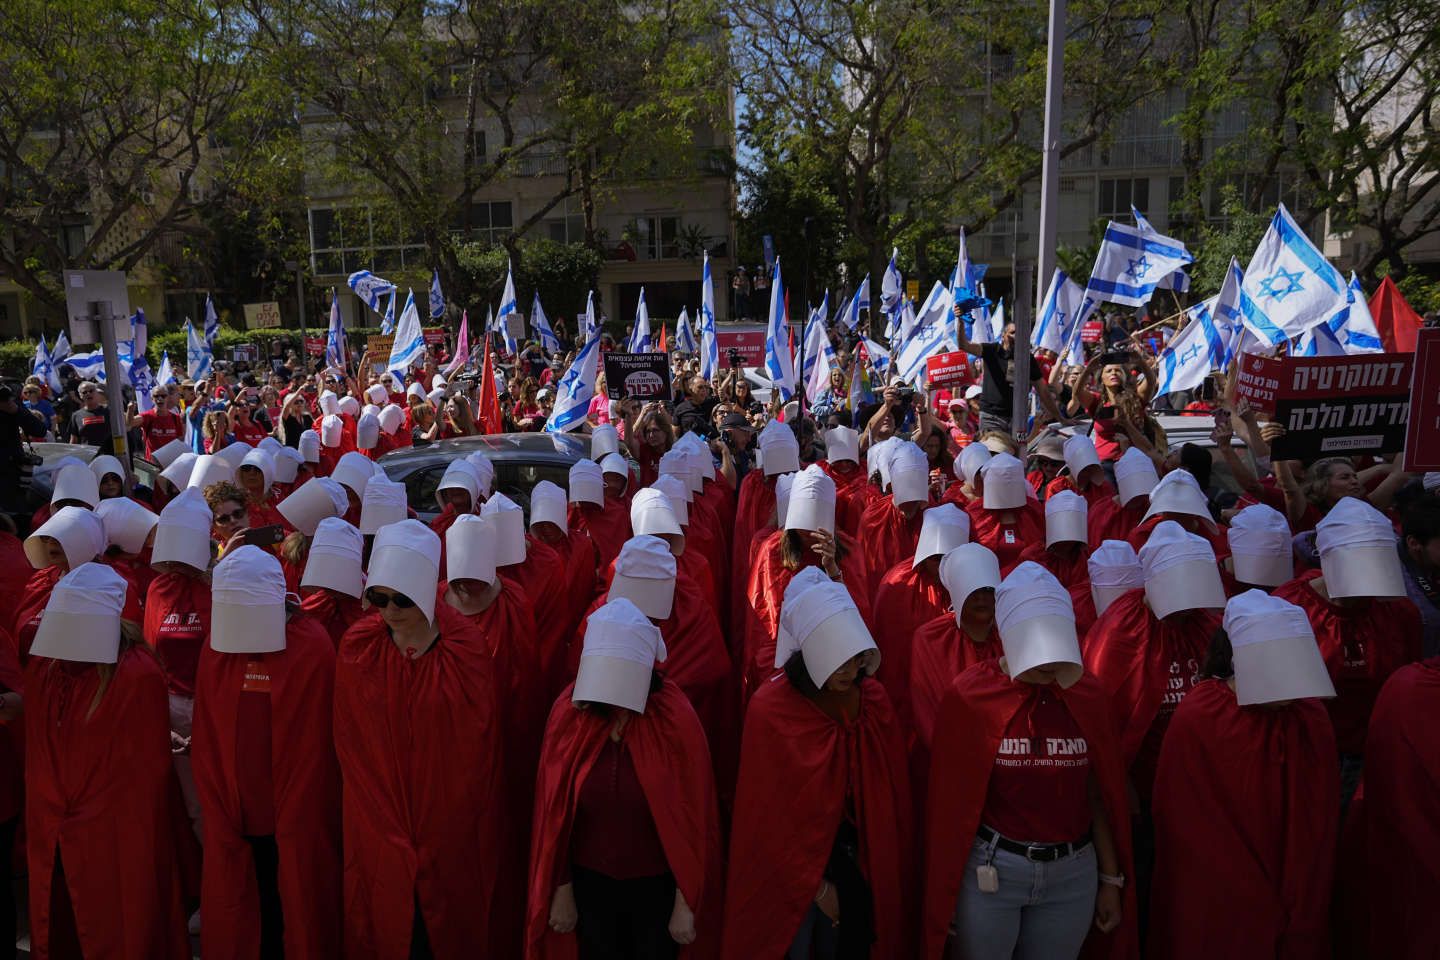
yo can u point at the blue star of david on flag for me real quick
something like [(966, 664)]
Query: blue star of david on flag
[(1138, 268), (1291, 279), (1274, 303)]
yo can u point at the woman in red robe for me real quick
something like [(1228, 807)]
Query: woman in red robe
[(1243, 826), (831, 866), (754, 512), (1007, 518), (417, 736), (626, 851), (12, 775), (74, 535), (256, 476), (333, 578), (842, 463), (599, 506), (890, 526), (265, 769), (99, 806), (548, 526), (1113, 518), (1066, 553), (1178, 497), (1087, 477), (1027, 813), (457, 495)]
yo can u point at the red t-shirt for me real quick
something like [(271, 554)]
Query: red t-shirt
[(159, 428), (614, 832), (177, 620), (253, 773), (250, 433), (1039, 788)]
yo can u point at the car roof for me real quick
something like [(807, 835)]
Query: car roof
[(559, 448)]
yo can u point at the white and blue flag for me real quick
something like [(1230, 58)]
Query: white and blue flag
[(1059, 314), (370, 288), (509, 309), (819, 355), (198, 358), (336, 354), (409, 345), (779, 364), (575, 390), (709, 345), (931, 336), (91, 366), (540, 326), (1179, 281), (965, 280), (1351, 331), (437, 299), (212, 322), (589, 326), (387, 322), (61, 350), (892, 296), (850, 316), (1131, 263), (684, 336), (879, 357), (1194, 352), (1289, 286), (165, 375), (43, 366), (640, 335), (140, 376)]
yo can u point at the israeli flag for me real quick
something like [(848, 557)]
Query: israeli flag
[(409, 345), (1225, 312), (879, 357), (540, 326), (929, 339), (892, 285), (1289, 286), (906, 322), (43, 366), (981, 324), (166, 375), (91, 366), (387, 322), (589, 327), (336, 354), (779, 364), (938, 309), (437, 299), (819, 357), (140, 376), (684, 336), (1179, 281), (212, 322), (370, 288), (965, 286), (817, 318), (850, 316), (199, 360), (61, 350), (1058, 314), (640, 336), (508, 308), (1131, 263), (709, 345), (1350, 331), (575, 390)]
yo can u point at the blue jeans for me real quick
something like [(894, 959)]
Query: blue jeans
[(1042, 911)]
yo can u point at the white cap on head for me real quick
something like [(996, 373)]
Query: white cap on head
[(76, 482), (353, 471), (604, 439), (209, 469), (877, 459), (909, 474), (965, 569), (484, 471), (349, 406), (615, 464), (942, 529), (651, 512), (675, 491), (377, 394), (547, 505), (391, 418), (309, 446), (1180, 571), (384, 502), (779, 449), (783, 483), (645, 575), (263, 461), (587, 483), (1005, 485), (1080, 454), (842, 443), (819, 618), (415, 390), (127, 525), (1178, 492), (367, 431), (509, 522), (287, 464), (178, 473), (1273, 651), (470, 549), (182, 534), (271, 445), (702, 464), (81, 622), (405, 557), (78, 531), (1036, 621), (971, 459), (247, 609), (675, 462), (104, 465), (1134, 475), (439, 381), (811, 503), (1260, 546), (329, 404), (234, 453), (460, 475), (370, 410), (313, 502), (1066, 515), (1114, 570), (436, 397), (1357, 552), (167, 454), (618, 658), (332, 428)]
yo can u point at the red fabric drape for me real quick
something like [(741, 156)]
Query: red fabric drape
[(888, 536), (608, 526), (335, 612), (906, 599), (1028, 529)]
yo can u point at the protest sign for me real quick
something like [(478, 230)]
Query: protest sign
[(1422, 440), (644, 376), (948, 370)]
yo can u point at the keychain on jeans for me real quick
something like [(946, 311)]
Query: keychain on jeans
[(987, 878)]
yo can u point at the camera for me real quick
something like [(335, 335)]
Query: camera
[(906, 393), (737, 359)]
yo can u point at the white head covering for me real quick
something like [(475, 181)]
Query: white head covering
[(779, 450), (81, 622), (675, 491), (616, 464), (127, 525), (618, 658), (1114, 570), (312, 502), (1080, 454), (349, 406), (331, 429), (384, 502), (942, 529), (819, 618), (509, 522), (965, 569), (909, 474), (209, 469), (996, 444), (460, 475), (877, 459), (105, 464), (370, 410), (287, 464), (178, 473), (675, 462), (1036, 621), (76, 482), (415, 390), (470, 549), (405, 557), (1260, 546), (78, 531), (353, 471), (547, 505), (842, 443), (1134, 475), (1065, 518), (270, 445), (329, 404), (182, 534), (1005, 485), (367, 431), (167, 454), (702, 464), (1357, 552), (970, 461), (247, 611), (645, 575), (391, 418), (233, 453), (263, 461), (309, 446), (587, 483), (1274, 651), (1178, 492), (436, 397), (783, 483), (812, 501), (1180, 571), (652, 513), (376, 394), (604, 440)]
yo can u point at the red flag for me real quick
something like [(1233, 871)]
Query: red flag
[(1396, 320), (664, 348), (490, 420)]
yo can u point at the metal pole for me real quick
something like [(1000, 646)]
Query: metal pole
[(300, 301), (101, 312)]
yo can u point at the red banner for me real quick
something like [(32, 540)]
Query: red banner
[(433, 335), (948, 370), (315, 346), (750, 343), (1422, 437), (1092, 331)]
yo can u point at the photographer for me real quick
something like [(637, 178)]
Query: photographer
[(997, 392), (693, 413), (737, 441), (1119, 399)]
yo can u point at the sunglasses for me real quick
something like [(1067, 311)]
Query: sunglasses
[(233, 517), (382, 600)]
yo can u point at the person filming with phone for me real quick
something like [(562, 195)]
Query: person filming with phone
[(1118, 397)]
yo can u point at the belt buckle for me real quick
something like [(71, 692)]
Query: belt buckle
[(1031, 848)]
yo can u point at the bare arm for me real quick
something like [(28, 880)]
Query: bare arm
[(1383, 496), (969, 346), (1081, 395), (1148, 377)]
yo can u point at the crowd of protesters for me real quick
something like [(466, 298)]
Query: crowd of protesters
[(855, 677)]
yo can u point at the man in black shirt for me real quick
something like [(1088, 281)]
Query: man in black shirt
[(14, 419), (997, 391), (91, 423), (693, 413)]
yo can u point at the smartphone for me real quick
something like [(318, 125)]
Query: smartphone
[(1107, 412), (266, 536)]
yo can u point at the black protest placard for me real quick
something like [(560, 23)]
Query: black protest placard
[(643, 376)]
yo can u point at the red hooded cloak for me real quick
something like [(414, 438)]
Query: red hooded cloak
[(888, 536), (1007, 540), (608, 526), (906, 599)]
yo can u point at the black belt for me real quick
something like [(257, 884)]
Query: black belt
[(1036, 852)]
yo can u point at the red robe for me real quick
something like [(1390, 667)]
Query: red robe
[(12, 735), (1218, 539), (766, 594), (335, 612), (577, 558), (608, 526), (1244, 805), (1073, 572), (12, 585), (667, 747), (1007, 541), (98, 796), (306, 780), (888, 537), (419, 747), (906, 599), (1362, 647), (941, 653), (542, 583), (792, 752), (850, 499), (1401, 862), (754, 512), (329, 456), (972, 721), (1107, 520)]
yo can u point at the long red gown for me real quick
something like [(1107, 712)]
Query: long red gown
[(887, 535), (906, 599)]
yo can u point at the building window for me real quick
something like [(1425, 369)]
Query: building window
[(346, 239), (490, 221), (566, 229), (658, 238), (72, 239), (1118, 196)]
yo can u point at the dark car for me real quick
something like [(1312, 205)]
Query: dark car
[(42, 482), (521, 460)]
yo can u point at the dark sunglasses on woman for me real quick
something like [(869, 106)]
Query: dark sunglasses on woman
[(382, 600)]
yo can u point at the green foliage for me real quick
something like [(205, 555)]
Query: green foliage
[(1236, 236), (1421, 291), (563, 273)]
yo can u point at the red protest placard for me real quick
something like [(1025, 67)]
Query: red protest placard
[(433, 335), (1422, 436), (1092, 331), (948, 370), (315, 346), (749, 343)]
